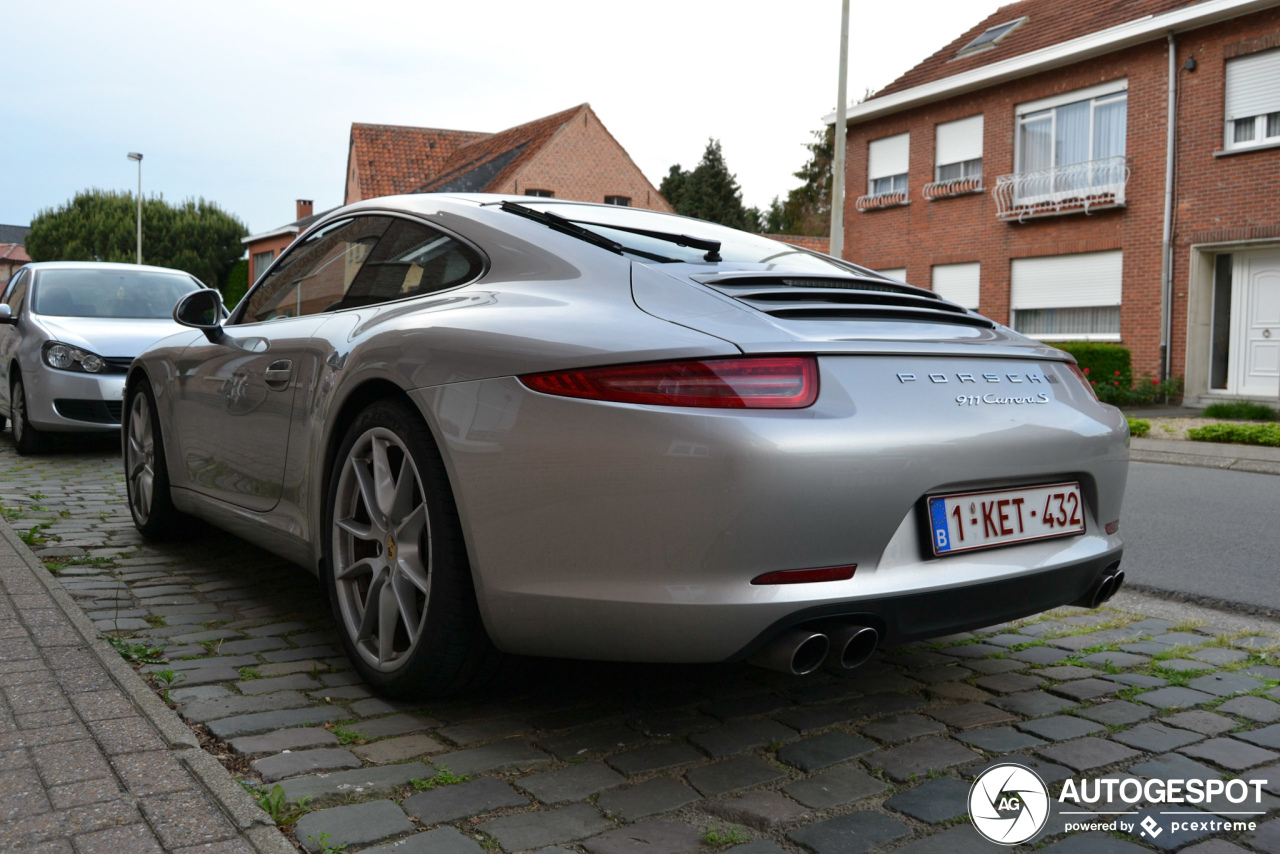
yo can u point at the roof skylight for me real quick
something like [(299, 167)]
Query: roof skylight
[(990, 37)]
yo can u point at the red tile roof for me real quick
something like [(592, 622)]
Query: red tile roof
[(14, 252), (503, 152), (392, 159), (1049, 22)]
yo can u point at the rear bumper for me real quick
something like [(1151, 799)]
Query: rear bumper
[(919, 616)]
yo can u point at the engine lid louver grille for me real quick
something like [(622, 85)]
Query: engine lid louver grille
[(840, 298)]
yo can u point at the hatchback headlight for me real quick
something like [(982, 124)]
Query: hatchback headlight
[(64, 357)]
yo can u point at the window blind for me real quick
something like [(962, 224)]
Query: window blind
[(1067, 281), (899, 273), (1253, 85), (958, 283), (959, 140), (888, 156)]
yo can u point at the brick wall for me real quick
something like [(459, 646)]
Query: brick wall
[(1213, 193), (815, 244), (275, 244), (583, 162)]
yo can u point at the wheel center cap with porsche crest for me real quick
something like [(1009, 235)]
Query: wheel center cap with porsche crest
[(391, 547)]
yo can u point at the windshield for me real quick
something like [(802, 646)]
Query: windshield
[(137, 294), (735, 246)]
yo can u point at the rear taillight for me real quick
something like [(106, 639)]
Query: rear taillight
[(767, 382), (807, 576), (1083, 377)]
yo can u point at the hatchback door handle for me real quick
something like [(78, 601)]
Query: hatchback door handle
[(278, 373)]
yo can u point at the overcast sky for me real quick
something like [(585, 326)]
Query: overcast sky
[(249, 104)]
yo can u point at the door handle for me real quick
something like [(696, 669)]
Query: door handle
[(278, 373)]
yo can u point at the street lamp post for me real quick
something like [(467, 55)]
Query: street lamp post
[(133, 155), (837, 167)]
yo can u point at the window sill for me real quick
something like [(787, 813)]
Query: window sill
[(1245, 149)]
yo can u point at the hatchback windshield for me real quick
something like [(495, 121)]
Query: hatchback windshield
[(139, 294), (735, 246)]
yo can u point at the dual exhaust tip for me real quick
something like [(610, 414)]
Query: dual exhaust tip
[(839, 649), (1108, 587)]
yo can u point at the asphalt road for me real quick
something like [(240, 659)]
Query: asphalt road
[(1210, 534)]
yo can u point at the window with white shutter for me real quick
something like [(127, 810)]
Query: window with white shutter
[(887, 164), (958, 283), (958, 149), (1253, 100), (899, 273), (1068, 297)]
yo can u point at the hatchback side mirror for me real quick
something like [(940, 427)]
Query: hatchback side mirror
[(6, 314), (201, 310)]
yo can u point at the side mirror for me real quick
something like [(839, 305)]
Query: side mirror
[(6, 314), (201, 310)]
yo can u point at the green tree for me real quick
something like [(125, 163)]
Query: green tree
[(709, 191), (99, 225), (807, 209)]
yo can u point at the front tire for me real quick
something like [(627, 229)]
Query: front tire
[(395, 562), (26, 439), (146, 469)]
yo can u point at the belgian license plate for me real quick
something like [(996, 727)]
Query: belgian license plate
[(981, 520)]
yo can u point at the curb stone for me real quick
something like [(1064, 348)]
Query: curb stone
[(230, 797)]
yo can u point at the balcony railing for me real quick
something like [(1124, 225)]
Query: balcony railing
[(881, 200), (1091, 185), (954, 187)]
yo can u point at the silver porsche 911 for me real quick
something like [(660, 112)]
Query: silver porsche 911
[(499, 424)]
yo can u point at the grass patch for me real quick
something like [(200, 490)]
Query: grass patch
[(137, 653), (1139, 426), (1239, 410), (443, 777), (345, 734), (726, 836), (247, 673)]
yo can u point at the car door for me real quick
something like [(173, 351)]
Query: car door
[(234, 395), (10, 337)]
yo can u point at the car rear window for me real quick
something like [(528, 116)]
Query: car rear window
[(136, 294), (735, 246)]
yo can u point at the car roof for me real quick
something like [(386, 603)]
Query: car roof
[(101, 265)]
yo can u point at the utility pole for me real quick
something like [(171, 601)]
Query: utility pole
[(133, 155), (837, 166)]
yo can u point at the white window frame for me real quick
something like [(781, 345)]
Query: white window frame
[(1017, 303), (1260, 139), (1009, 26), (898, 181), (1105, 93)]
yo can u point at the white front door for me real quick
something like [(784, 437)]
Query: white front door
[(1256, 326)]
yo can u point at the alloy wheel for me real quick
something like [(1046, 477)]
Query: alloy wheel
[(139, 459), (381, 549)]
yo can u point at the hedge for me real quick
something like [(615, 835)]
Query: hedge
[(1102, 362), (1239, 434)]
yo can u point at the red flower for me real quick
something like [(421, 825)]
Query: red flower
[(1117, 373), (1086, 370), (1117, 382), (1093, 382)]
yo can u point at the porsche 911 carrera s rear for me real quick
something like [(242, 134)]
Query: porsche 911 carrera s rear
[(874, 458)]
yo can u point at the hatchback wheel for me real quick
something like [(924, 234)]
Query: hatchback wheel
[(26, 439), (146, 470), (396, 564)]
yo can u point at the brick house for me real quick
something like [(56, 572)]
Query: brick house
[(1023, 170), (568, 155), (13, 252), (263, 248)]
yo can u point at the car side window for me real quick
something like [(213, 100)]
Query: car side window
[(17, 292), (412, 259), (315, 275)]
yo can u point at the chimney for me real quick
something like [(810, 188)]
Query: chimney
[(305, 207)]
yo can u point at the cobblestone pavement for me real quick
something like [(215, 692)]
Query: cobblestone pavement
[(574, 756)]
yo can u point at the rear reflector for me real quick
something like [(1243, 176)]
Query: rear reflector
[(805, 576), (1112, 527), (772, 382)]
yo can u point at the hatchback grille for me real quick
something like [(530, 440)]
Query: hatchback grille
[(117, 364), (94, 411), (839, 298)]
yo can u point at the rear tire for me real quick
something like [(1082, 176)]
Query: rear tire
[(395, 563), (146, 469), (26, 439)]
